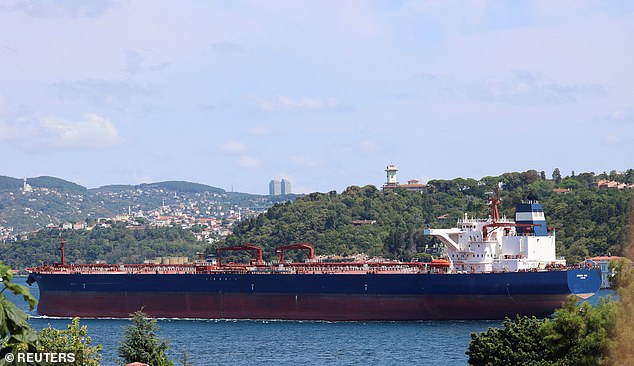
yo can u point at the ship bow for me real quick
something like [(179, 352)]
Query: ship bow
[(584, 282)]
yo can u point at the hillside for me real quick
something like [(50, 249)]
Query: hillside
[(183, 187), (51, 200), (116, 244), (590, 221)]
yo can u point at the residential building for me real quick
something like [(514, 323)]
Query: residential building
[(605, 184), (603, 262)]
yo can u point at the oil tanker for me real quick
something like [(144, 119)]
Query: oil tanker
[(494, 268)]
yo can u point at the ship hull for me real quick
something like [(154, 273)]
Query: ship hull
[(337, 297)]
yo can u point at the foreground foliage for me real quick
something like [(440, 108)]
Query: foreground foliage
[(15, 332), (16, 335), (142, 344), (515, 344), (577, 335), (74, 340), (621, 351)]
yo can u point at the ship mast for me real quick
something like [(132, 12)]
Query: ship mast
[(61, 248), (494, 203)]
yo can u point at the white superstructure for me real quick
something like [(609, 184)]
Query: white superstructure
[(500, 244)]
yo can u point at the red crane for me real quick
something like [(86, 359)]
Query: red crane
[(301, 246), (257, 252)]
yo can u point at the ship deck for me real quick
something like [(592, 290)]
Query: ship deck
[(288, 268)]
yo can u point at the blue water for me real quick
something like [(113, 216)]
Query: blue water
[(246, 342)]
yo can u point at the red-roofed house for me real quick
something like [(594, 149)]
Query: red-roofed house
[(604, 263)]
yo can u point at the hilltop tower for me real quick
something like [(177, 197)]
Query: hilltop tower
[(26, 187), (392, 182), (391, 175)]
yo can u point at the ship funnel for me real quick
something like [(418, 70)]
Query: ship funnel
[(530, 219)]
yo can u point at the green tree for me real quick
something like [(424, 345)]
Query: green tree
[(185, 360), (622, 277), (579, 333), (141, 343), (75, 340), (15, 333), (621, 351), (515, 344), (556, 175)]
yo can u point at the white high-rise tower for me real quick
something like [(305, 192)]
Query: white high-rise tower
[(286, 186), (275, 187)]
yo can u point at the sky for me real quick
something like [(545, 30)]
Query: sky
[(323, 93)]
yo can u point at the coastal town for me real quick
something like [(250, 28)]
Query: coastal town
[(209, 214)]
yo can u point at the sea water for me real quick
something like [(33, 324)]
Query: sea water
[(248, 342)]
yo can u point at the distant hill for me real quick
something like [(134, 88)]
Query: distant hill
[(112, 188), (55, 201), (9, 183), (183, 187), (175, 186), (57, 184)]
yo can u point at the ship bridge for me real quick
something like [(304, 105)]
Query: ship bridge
[(449, 237)]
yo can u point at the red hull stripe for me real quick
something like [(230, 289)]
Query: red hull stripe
[(296, 307)]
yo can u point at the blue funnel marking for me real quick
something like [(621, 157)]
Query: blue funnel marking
[(531, 215)]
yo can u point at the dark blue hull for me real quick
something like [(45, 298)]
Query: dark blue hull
[(313, 296)]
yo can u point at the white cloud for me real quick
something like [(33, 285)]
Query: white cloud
[(134, 61), (4, 106), (517, 87), (55, 132), (304, 161), (259, 131), (523, 87), (249, 162), (45, 8), (110, 92), (619, 115), (234, 147), (612, 139), (94, 131), (140, 60), (227, 48), (16, 130), (368, 147), (284, 103)]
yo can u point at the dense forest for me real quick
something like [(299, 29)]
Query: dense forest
[(116, 244), (588, 221)]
